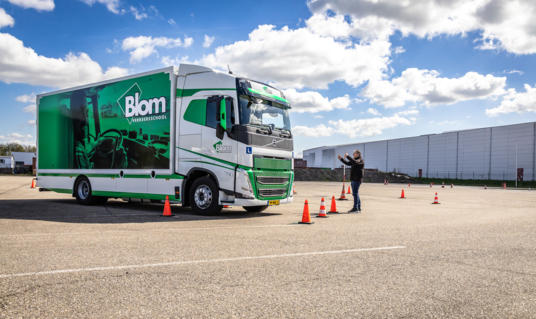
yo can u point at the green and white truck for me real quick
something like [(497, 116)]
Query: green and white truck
[(204, 138)]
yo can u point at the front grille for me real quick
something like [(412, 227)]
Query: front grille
[(274, 192), (271, 180)]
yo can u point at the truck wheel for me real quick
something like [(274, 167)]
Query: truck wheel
[(204, 197), (82, 193), (255, 209)]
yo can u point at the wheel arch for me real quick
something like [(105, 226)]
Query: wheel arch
[(191, 176)]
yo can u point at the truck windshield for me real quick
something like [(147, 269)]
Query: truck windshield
[(255, 111)]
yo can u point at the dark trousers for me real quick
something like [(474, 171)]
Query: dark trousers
[(355, 191)]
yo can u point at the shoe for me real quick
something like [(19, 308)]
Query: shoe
[(353, 211), (359, 210)]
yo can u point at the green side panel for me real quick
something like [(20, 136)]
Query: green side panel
[(196, 112), (191, 92), (271, 163), (55, 146), (133, 195), (267, 94), (223, 114), (174, 176), (123, 125)]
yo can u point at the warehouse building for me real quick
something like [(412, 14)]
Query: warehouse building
[(484, 153)]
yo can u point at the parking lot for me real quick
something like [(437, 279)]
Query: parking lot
[(474, 255)]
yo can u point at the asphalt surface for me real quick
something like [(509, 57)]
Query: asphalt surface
[(474, 255)]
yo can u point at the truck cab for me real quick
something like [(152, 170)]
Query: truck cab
[(237, 132)]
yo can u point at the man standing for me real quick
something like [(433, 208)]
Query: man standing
[(356, 176)]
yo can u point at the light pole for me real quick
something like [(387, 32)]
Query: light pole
[(516, 163)]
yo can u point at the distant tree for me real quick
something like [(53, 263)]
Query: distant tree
[(7, 148), (29, 148)]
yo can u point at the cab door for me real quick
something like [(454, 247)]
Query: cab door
[(219, 144)]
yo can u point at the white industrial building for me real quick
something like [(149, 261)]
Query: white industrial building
[(485, 153)]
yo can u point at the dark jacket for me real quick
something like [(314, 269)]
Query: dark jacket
[(358, 168)]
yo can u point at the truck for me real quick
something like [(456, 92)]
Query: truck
[(201, 137)]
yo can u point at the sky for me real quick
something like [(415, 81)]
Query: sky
[(353, 70)]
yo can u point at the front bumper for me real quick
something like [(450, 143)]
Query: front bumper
[(258, 202)]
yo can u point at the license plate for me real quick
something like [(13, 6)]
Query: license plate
[(273, 202)]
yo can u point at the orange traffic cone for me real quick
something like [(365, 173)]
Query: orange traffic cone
[(349, 190), (306, 219), (343, 195), (322, 213), (504, 185), (436, 200), (33, 183), (402, 196), (167, 209), (384, 182), (294, 189), (451, 185), (485, 187), (387, 182), (227, 206), (443, 185), (430, 185), (333, 209), (409, 185)]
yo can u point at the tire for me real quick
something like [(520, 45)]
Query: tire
[(255, 209), (206, 192), (82, 192)]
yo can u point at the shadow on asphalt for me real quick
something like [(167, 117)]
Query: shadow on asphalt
[(115, 211)]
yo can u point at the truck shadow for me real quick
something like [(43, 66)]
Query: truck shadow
[(115, 211)]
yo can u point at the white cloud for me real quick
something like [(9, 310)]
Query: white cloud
[(318, 117), (30, 109), (399, 50), (301, 58), (31, 123), (511, 71), (408, 112), (20, 64), (111, 5), (208, 41), (172, 22), (447, 122), (427, 87), (5, 19), (516, 102), (368, 127), (504, 24), (142, 47), (17, 138), (40, 5), (26, 98), (188, 41), (373, 112), (137, 14), (314, 102), (167, 61), (317, 131), (353, 128)]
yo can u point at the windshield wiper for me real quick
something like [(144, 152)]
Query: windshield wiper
[(269, 128)]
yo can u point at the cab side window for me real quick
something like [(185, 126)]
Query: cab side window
[(212, 112)]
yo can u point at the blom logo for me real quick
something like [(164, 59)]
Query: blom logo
[(137, 110), (134, 107), (220, 148)]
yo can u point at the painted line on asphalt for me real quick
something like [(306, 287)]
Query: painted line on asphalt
[(64, 271), (149, 230)]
